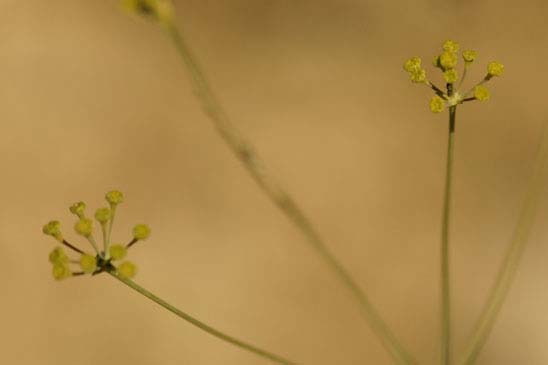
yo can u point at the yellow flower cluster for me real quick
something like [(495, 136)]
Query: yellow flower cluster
[(447, 62), (102, 260), (416, 72)]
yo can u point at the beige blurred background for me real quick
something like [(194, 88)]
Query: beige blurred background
[(93, 100)]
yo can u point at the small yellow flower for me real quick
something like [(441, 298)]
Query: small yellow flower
[(481, 93), (61, 271), (141, 232), (450, 75), (88, 263), (127, 269), (418, 75), (437, 104), (53, 228), (413, 64), (78, 209), (84, 227), (469, 56), (103, 215), (451, 46), (448, 60), (114, 197), (58, 256), (117, 252), (495, 68)]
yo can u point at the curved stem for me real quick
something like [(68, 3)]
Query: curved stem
[(212, 331), (507, 271), (251, 161), (445, 284)]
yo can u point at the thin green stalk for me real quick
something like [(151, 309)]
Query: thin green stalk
[(212, 331), (108, 234), (507, 271), (91, 240), (445, 284), (251, 161)]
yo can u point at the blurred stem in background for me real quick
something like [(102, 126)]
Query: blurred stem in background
[(254, 165), (507, 271), (199, 324)]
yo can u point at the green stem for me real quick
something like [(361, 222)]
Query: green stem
[(507, 271), (91, 240), (212, 331), (108, 234), (445, 284), (254, 165)]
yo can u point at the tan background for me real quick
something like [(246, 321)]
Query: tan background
[(93, 100)]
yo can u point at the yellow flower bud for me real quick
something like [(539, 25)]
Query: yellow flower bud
[(114, 197), (78, 209), (61, 271), (412, 64), (495, 68), (481, 93), (448, 60), (117, 251), (437, 104), (103, 215), (127, 269), (436, 62), (58, 256), (141, 232), (88, 263), (418, 76), (450, 75), (469, 56), (451, 46), (53, 228), (84, 227)]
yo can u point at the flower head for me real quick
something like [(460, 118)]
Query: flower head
[(437, 104), (469, 56), (413, 67), (101, 261), (446, 62), (495, 68), (84, 227), (412, 64), (127, 269), (418, 75), (481, 93), (450, 46), (58, 256), (103, 215), (88, 263), (141, 232), (450, 76), (78, 209), (114, 197), (53, 228), (61, 271), (118, 252)]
